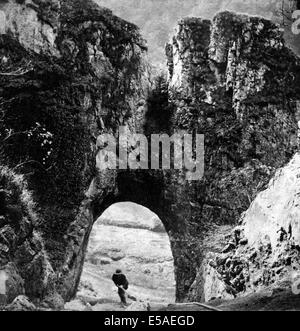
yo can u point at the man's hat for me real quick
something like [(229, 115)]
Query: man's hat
[(118, 271)]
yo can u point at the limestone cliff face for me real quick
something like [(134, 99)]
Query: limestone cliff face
[(187, 52), (263, 252), (235, 45), (24, 264), (235, 81), (34, 23), (69, 71)]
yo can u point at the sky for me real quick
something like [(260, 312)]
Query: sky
[(158, 18)]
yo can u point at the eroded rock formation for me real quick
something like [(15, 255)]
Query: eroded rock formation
[(234, 81), (24, 264), (75, 71), (263, 252), (70, 70)]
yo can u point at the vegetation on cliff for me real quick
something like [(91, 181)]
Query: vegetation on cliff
[(54, 107), (22, 250)]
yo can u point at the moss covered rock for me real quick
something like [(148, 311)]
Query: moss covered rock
[(24, 265)]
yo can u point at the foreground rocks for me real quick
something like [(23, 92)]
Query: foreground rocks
[(263, 252), (24, 265), (21, 303), (261, 301)]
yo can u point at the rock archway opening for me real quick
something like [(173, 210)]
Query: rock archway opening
[(132, 238)]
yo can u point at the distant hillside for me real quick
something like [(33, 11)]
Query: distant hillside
[(157, 18), (131, 215)]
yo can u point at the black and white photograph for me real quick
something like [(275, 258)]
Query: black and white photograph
[(149, 158)]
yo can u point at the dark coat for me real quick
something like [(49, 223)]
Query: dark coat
[(120, 280)]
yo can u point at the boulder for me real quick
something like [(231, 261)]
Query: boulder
[(11, 284), (75, 305), (139, 306), (116, 256), (53, 301), (21, 303)]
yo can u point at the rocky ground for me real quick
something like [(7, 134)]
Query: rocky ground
[(262, 301)]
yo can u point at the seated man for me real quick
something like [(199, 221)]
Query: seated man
[(121, 282)]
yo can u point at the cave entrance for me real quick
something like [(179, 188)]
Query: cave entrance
[(132, 238)]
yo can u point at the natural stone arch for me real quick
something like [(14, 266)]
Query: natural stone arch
[(238, 145), (152, 190), (169, 198)]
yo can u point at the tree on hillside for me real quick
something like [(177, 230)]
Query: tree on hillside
[(158, 116)]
